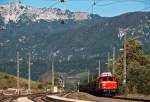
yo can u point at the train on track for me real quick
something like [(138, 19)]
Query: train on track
[(105, 85)]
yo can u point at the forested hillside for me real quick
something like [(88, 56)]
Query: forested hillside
[(74, 45)]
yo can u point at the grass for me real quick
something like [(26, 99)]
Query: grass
[(137, 96), (9, 81), (82, 97)]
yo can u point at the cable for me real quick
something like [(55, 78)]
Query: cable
[(107, 4), (54, 4), (120, 1), (104, 3), (87, 10), (145, 8), (140, 1), (51, 6)]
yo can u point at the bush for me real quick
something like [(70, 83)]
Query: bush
[(6, 77), (40, 86)]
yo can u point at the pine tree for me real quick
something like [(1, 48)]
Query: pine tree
[(138, 68)]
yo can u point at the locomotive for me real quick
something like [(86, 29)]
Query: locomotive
[(105, 85)]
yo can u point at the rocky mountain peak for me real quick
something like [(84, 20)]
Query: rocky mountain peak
[(14, 11)]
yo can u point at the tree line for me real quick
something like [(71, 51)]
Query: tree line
[(138, 68)]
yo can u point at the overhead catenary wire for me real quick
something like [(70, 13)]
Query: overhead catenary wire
[(54, 4), (101, 3), (146, 8), (111, 2)]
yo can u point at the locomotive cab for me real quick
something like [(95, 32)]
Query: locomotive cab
[(105, 85), (108, 84)]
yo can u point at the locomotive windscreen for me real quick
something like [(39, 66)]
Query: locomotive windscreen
[(107, 78)]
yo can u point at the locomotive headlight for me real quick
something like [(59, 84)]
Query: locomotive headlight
[(103, 84)]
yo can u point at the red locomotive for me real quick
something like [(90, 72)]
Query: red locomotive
[(104, 85)]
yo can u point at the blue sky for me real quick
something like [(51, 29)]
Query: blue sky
[(103, 7)]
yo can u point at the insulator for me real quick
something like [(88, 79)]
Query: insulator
[(62, 1), (19, 2), (94, 3), (62, 22)]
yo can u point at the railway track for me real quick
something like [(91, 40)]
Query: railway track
[(41, 97), (37, 97), (93, 98), (7, 98), (131, 99), (110, 99), (44, 97), (47, 99), (63, 98)]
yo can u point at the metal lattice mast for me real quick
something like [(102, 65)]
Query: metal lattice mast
[(125, 62), (92, 76), (53, 75), (113, 70), (108, 60), (88, 76), (29, 74), (18, 83), (123, 32), (99, 68)]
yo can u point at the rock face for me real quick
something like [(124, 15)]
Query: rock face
[(74, 37), (14, 11)]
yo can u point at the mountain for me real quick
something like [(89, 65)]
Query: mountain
[(73, 40), (14, 11)]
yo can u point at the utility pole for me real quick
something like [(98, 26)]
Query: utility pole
[(63, 84), (125, 62), (99, 68), (113, 70), (123, 32), (78, 83), (29, 74), (18, 83), (92, 76), (88, 76), (52, 76), (92, 12), (108, 59)]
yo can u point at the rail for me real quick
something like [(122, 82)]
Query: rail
[(131, 99)]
